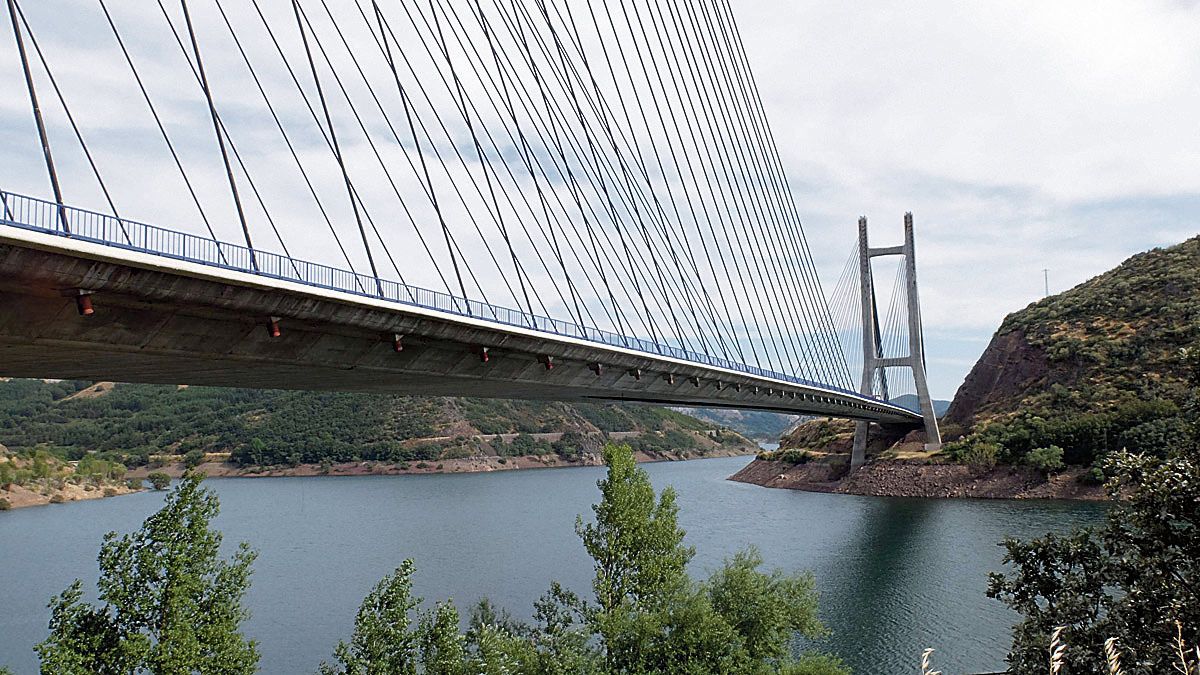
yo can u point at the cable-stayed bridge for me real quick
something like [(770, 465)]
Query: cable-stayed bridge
[(570, 199)]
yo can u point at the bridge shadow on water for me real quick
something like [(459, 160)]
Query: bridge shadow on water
[(877, 599)]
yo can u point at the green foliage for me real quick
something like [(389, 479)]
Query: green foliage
[(648, 615), (159, 480), (789, 456), (764, 609), (382, 640), (193, 459), (1083, 437), (977, 455), (1101, 367), (1131, 579), (1160, 437), (171, 605), (525, 444), (130, 423), (755, 424), (815, 664), (635, 540), (1047, 460)]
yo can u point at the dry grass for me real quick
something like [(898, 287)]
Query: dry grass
[(1188, 662)]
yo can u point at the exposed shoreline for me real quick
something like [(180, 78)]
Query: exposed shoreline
[(21, 497), (477, 464), (907, 478)]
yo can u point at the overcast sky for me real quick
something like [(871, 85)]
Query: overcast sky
[(1023, 136)]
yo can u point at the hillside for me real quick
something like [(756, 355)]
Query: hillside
[(136, 424), (36, 478), (1112, 363), (1102, 366), (940, 406), (756, 424)]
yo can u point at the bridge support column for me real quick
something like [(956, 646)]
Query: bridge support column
[(874, 360)]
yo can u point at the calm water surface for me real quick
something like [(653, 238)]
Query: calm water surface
[(895, 575)]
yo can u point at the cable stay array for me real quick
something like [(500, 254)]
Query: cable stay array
[(891, 329), (603, 163)]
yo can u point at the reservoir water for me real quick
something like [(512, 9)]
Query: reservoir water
[(895, 575)]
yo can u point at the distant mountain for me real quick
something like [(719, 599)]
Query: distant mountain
[(910, 401), (761, 426), (131, 422)]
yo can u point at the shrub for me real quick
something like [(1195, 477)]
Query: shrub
[(980, 455), (1047, 460), (134, 483), (5, 504), (159, 480), (110, 492), (1131, 578), (193, 458), (57, 499), (794, 456)]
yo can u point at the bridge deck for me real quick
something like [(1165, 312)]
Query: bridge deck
[(179, 309)]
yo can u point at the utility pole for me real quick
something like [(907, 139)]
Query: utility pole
[(1046, 275)]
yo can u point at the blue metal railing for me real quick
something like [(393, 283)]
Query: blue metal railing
[(31, 213)]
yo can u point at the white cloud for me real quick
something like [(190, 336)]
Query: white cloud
[(1023, 135)]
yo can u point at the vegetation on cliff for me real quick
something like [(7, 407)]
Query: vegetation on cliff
[(1099, 368), (130, 424)]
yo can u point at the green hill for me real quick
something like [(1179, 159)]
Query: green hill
[(756, 424), (130, 423), (1108, 364)]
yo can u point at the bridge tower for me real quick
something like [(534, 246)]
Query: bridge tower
[(874, 360)]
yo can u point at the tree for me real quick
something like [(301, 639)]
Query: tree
[(193, 459), (171, 605), (1047, 460), (764, 609), (159, 480), (1131, 579), (649, 616), (382, 641)]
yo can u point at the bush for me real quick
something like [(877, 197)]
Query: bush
[(57, 499), (110, 492), (159, 480), (1047, 460), (979, 455), (5, 504), (193, 459), (134, 483), (794, 456), (1131, 578)]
